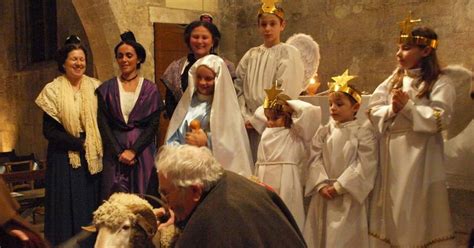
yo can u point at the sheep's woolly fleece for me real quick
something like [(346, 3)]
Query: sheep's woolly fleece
[(119, 208)]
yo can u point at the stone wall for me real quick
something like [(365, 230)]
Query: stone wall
[(360, 35), (356, 34), (105, 20), (21, 119)]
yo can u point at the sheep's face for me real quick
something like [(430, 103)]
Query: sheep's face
[(125, 220), (114, 237)]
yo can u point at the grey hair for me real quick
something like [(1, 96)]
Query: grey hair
[(187, 165)]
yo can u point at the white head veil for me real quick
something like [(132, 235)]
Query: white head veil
[(230, 144)]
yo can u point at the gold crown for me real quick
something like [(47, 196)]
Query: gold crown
[(406, 27), (275, 99), (340, 85), (268, 6)]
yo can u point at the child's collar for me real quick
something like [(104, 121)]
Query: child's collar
[(204, 98), (413, 73)]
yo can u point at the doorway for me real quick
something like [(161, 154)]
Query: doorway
[(169, 46)]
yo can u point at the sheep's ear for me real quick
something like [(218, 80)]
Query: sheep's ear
[(90, 228)]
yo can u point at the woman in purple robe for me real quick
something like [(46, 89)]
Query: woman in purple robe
[(129, 113)]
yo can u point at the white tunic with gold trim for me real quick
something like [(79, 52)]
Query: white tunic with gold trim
[(410, 206)]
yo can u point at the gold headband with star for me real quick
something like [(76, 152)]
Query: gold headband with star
[(275, 99), (406, 37), (268, 6), (340, 85)]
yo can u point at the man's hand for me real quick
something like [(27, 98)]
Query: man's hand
[(160, 212)]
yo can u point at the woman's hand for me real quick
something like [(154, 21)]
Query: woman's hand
[(399, 100), (196, 138), (128, 157)]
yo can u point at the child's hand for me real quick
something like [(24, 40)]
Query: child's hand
[(328, 192), (248, 125), (196, 138), (399, 100)]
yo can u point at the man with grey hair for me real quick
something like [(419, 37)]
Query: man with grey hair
[(218, 208)]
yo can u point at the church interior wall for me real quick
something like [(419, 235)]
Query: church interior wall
[(356, 34), (20, 118)]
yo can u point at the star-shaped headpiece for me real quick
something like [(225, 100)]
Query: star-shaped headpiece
[(340, 85), (275, 99), (406, 37), (268, 6)]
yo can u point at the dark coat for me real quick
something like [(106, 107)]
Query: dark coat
[(237, 212)]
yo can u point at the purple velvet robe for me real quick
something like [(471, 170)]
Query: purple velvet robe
[(137, 134)]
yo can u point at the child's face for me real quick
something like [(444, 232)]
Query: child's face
[(341, 108), (273, 119), (205, 80), (270, 27), (409, 56)]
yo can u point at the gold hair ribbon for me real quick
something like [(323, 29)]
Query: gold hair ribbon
[(340, 85)]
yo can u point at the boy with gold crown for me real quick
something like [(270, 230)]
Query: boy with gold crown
[(262, 65), (342, 171), (287, 127), (409, 109)]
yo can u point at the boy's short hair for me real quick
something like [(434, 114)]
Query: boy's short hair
[(281, 16), (351, 98)]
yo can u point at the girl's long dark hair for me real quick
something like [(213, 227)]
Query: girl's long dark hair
[(430, 67)]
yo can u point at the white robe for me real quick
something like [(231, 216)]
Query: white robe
[(260, 67), (283, 156), (410, 204), (344, 155), (230, 145)]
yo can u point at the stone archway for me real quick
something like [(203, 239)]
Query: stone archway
[(103, 21), (101, 29)]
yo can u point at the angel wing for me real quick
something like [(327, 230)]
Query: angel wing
[(309, 51), (461, 79), (459, 146)]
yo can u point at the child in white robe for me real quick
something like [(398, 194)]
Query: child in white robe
[(283, 151), (341, 174), (210, 98), (409, 109), (261, 66)]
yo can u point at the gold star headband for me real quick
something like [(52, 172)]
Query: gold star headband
[(275, 99), (268, 6), (406, 28), (340, 85)]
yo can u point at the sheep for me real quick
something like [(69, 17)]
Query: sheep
[(126, 220)]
